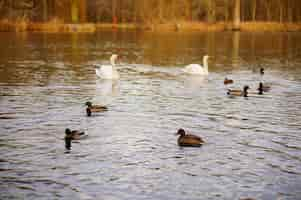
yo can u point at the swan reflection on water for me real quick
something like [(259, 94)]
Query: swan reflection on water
[(195, 82), (105, 90)]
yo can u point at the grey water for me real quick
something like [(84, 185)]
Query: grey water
[(253, 144)]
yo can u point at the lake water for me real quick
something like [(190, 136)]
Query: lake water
[(253, 145)]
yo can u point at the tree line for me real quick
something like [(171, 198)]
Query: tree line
[(151, 11)]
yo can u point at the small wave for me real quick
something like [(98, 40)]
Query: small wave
[(288, 145), (285, 170), (270, 149), (190, 174)]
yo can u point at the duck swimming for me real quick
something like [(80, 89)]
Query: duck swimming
[(243, 92), (263, 88), (188, 140), (228, 81), (94, 108), (262, 71), (72, 135), (197, 69), (260, 88)]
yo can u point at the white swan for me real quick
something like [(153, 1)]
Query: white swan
[(108, 71), (198, 69)]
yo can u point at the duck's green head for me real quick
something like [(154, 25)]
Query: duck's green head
[(245, 92), (261, 70), (246, 87), (260, 85), (260, 88), (88, 103), (181, 132), (67, 131)]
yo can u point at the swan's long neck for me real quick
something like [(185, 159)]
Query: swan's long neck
[(205, 64), (113, 60)]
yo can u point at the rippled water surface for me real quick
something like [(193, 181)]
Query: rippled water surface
[(253, 145)]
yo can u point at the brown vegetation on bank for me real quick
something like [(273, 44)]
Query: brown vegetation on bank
[(270, 26), (58, 26), (51, 26)]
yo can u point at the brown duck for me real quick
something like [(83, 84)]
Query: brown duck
[(243, 92), (228, 81), (188, 140), (94, 108)]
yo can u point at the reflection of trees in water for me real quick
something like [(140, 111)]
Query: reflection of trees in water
[(235, 48), (176, 49), (74, 52)]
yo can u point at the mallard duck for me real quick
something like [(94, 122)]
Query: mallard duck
[(72, 135), (243, 92), (94, 108), (189, 140), (263, 88), (228, 81), (260, 88), (262, 71)]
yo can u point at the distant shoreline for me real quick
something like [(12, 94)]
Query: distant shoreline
[(56, 27)]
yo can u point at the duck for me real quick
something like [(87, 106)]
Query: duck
[(260, 88), (263, 88), (262, 71), (94, 108), (228, 81), (243, 92), (189, 140), (197, 69), (72, 135), (108, 71)]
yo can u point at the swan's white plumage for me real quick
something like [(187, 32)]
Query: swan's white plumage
[(193, 69), (198, 69), (108, 71)]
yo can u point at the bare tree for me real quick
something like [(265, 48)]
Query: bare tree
[(45, 10), (82, 11), (254, 7), (280, 11), (236, 15), (211, 8), (74, 11), (290, 10), (114, 12)]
